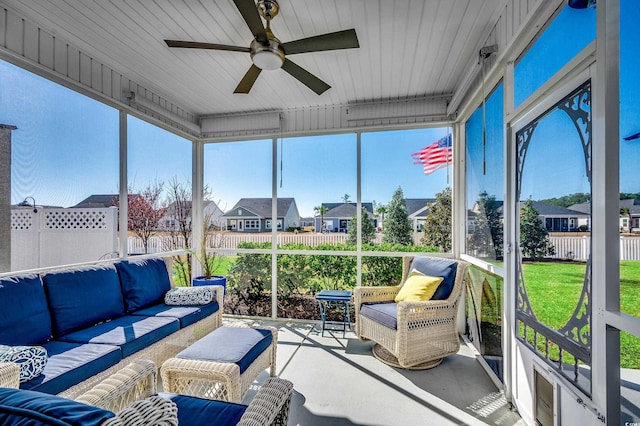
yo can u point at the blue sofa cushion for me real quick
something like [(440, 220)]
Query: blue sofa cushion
[(240, 346), (72, 363), (24, 315), (144, 282), (198, 411), (186, 314), (383, 313), (83, 296), (130, 333), (24, 407), (437, 268)]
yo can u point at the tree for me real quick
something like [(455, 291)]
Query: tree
[(380, 211), (179, 208), (321, 210), (368, 231), (398, 229), (534, 238), (144, 212), (346, 198), (487, 236), (437, 227)]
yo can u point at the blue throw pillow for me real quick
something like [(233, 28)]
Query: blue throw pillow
[(437, 268), (144, 282), (24, 407), (24, 317), (83, 297)]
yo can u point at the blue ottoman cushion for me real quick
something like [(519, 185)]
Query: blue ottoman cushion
[(437, 268), (25, 313), (144, 282), (24, 407), (72, 363), (383, 313), (130, 333), (198, 411), (83, 296), (240, 346)]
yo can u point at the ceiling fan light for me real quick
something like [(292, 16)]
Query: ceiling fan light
[(267, 60)]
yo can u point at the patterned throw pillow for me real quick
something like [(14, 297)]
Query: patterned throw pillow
[(189, 296), (30, 359)]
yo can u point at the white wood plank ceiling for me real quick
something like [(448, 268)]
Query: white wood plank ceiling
[(408, 48)]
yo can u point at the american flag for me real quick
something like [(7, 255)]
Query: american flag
[(434, 156)]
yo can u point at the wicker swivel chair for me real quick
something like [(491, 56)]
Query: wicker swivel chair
[(412, 335)]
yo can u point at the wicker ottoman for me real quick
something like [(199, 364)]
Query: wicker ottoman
[(223, 364)]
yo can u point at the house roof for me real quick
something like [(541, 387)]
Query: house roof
[(632, 204), (418, 205), (544, 209), (344, 210), (261, 207), (98, 200)]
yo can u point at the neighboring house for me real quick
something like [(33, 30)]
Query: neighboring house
[(169, 221), (306, 222), (338, 216), (255, 215), (554, 218), (561, 219), (418, 211), (629, 214)]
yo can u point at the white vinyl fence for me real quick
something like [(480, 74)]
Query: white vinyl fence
[(58, 236), (577, 248), (231, 241)]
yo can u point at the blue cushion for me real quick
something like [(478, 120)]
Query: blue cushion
[(23, 407), (186, 314), (131, 333), (240, 346), (437, 268), (83, 296), (144, 282), (72, 363), (198, 411), (24, 317), (383, 313)]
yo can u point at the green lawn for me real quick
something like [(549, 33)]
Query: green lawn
[(554, 290)]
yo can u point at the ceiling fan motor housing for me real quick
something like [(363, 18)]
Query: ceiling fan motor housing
[(267, 56)]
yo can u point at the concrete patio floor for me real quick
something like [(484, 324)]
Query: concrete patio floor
[(337, 381)]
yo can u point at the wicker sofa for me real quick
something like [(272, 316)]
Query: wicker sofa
[(129, 398), (94, 320), (413, 334)]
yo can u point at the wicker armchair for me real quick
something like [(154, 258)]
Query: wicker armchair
[(131, 393), (424, 333)]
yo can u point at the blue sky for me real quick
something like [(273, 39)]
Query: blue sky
[(66, 146)]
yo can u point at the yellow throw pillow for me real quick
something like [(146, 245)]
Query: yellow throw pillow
[(418, 287)]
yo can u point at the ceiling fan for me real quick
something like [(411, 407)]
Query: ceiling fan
[(269, 53)]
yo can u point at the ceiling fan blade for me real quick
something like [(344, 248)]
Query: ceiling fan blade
[(305, 77), (346, 39), (247, 81), (199, 45), (249, 12)]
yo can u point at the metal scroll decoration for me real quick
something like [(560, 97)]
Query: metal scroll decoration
[(577, 106)]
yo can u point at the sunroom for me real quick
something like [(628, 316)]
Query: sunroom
[(529, 100)]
